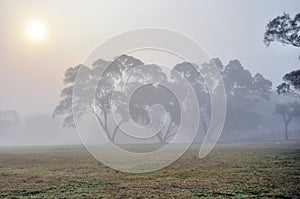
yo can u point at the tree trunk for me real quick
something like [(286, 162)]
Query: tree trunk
[(104, 128), (204, 125), (115, 131), (203, 122), (286, 124), (286, 130), (159, 136)]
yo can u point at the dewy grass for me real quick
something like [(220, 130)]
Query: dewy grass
[(230, 171)]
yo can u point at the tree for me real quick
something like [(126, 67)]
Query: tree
[(9, 121), (64, 109), (191, 73), (283, 29), (104, 104), (291, 86), (288, 112), (286, 30), (164, 125), (148, 79), (243, 91)]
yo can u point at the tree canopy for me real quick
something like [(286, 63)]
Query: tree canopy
[(243, 90), (291, 84), (283, 29), (286, 30)]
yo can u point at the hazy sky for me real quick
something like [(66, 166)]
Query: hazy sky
[(31, 72)]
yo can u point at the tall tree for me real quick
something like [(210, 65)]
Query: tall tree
[(243, 91), (190, 72), (286, 30), (164, 125), (107, 84), (148, 78), (287, 112)]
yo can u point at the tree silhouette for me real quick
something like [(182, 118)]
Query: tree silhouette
[(286, 30), (164, 125), (191, 73), (104, 104), (9, 121), (283, 29), (243, 91), (149, 77), (291, 86), (288, 112)]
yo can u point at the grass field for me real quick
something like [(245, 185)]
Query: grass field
[(229, 171)]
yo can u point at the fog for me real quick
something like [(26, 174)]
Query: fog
[(32, 73), (125, 101), (38, 129)]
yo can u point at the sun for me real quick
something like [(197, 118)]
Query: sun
[(36, 31)]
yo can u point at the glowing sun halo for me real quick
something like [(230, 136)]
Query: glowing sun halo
[(36, 31)]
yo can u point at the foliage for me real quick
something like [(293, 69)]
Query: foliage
[(118, 79), (288, 112), (283, 29), (103, 105), (286, 30), (291, 86), (243, 90)]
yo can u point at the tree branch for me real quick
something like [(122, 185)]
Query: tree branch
[(115, 131)]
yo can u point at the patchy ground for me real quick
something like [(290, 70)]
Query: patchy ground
[(230, 171)]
